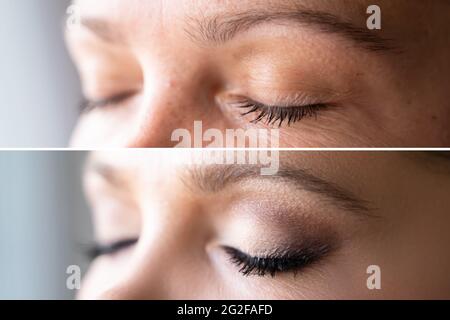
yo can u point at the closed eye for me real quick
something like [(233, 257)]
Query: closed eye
[(270, 115), (89, 105), (275, 115), (280, 261), (98, 250)]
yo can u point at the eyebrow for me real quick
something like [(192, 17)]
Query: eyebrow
[(222, 28), (213, 178), (218, 29)]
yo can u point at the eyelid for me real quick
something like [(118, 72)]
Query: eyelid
[(98, 250), (279, 261), (280, 114), (88, 104)]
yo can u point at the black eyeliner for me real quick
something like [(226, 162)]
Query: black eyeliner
[(279, 261)]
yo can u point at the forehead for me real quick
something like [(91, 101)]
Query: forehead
[(142, 20), (160, 9)]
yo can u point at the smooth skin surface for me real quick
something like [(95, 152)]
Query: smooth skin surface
[(166, 64), (388, 209)]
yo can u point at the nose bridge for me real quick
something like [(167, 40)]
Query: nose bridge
[(170, 236), (146, 278), (176, 93), (152, 270)]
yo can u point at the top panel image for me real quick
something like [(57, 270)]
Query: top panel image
[(239, 73)]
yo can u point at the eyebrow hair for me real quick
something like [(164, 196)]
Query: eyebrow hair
[(219, 29), (224, 27), (213, 178)]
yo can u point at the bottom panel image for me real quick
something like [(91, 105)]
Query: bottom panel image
[(187, 224)]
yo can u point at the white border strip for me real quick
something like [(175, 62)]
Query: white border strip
[(229, 149)]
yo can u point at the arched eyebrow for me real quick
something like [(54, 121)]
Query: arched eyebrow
[(220, 28), (214, 178), (225, 26)]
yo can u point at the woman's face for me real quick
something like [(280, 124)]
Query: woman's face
[(170, 229), (311, 68)]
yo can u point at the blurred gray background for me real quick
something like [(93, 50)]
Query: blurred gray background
[(39, 88), (44, 223), (43, 217)]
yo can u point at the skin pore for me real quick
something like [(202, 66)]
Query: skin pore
[(169, 229), (150, 67)]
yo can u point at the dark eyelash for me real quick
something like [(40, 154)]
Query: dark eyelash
[(274, 114), (277, 262), (88, 105), (98, 250)]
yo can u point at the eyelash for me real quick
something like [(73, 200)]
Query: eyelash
[(271, 264), (277, 262), (273, 114), (89, 105), (99, 250)]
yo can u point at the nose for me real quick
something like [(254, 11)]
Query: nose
[(174, 99), (126, 291), (143, 278), (157, 268)]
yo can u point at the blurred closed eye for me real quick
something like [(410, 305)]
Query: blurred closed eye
[(99, 250)]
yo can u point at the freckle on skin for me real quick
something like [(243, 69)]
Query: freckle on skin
[(171, 83), (433, 117)]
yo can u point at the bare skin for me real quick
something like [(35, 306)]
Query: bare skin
[(174, 62)]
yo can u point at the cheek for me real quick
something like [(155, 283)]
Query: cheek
[(314, 283), (96, 281), (104, 274), (98, 130)]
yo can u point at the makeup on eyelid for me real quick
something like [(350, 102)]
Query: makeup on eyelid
[(249, 226), (271, 258), (289, 245)]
